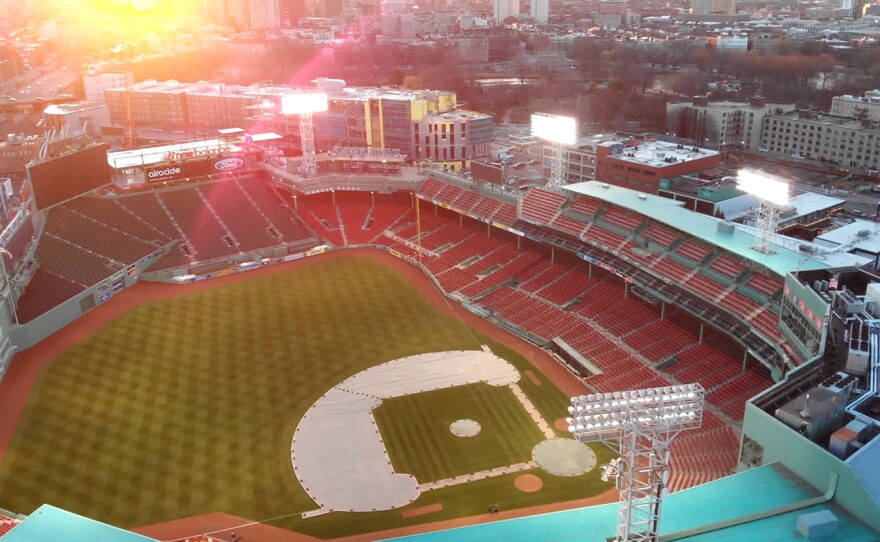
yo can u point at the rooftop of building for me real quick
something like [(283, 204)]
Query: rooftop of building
[(660, 153), (732, 104), (871, 96), (71, 107), (740, 240), (731, 509), (810, 202), (860, 235), (709, 185), (459, 114), (219, 89), (591, 141), (822, 119)]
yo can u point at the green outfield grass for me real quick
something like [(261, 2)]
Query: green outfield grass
[(188, 406), (415, 429)]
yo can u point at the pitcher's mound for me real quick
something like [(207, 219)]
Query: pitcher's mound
[(561, 424), (465, 428), (564, 457), (528, 483)]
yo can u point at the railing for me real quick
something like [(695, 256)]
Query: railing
[(12, 227)]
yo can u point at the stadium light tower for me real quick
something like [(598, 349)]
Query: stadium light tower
[(305, 104), (559, 132), (774, 194), (643, 424)]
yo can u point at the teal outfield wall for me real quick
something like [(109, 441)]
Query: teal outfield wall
[(811, 462)]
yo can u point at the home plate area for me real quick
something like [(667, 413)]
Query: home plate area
[(337, 451)]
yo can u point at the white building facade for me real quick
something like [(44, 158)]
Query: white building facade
[(722, 124), (502, 9), (95, 84), (847, 142)]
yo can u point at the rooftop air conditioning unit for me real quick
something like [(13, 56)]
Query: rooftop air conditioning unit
[(809, 249), (726, 227), (862, 234), (642, 196)]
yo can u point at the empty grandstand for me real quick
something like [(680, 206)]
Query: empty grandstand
[(625, 289)]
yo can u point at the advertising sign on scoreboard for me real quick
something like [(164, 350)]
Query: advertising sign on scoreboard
[(487, 172), (174, 171)]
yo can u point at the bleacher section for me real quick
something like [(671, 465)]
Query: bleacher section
[(7, 523), (542, 206), (585, 206), (765, 284), (660, 234), (623, 219), (693, 251), (211, 221), (727, 266)]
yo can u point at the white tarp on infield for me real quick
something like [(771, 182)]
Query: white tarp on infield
[(337, 451)]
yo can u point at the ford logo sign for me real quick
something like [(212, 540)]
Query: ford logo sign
[(228, 164)]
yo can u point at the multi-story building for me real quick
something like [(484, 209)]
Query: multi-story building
[(722, 124), (580, 157), (502, 9), (95, 83), (707, 7), (16, 151), (639, 165), (838, 140), (453, 138), (729, 44), (90, 116), (610, 13), (263, 14), (356, 117), (182, 105), (540, 11), (857, 107)]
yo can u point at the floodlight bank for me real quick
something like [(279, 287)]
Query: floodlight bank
[(304, 102), (555, 128), (763, 186)]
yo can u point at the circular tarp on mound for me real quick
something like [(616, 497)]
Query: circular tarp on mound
[(528, 483), (465, 428), (564, 457)]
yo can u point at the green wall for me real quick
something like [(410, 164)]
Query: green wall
[(811, 462)]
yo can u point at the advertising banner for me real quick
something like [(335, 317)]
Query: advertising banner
[(175, 171)]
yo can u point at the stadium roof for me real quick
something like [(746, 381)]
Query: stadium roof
[(50, 524), (703, 227), (747, 498)]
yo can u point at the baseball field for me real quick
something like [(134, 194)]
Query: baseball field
[(187, 405)]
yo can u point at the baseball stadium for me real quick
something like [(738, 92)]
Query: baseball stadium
[(186, 333)]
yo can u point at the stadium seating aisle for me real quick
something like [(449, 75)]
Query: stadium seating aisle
[(318, 211), (275, 209), (248, 224), (204, 232)]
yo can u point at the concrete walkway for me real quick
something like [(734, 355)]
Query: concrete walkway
[(337, 452)]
